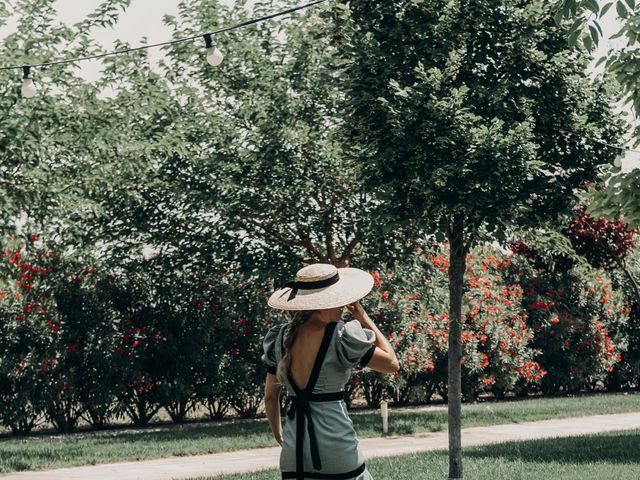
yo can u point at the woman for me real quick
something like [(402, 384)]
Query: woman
[(312, 356)]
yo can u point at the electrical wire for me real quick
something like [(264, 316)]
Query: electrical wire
[(179, 40)]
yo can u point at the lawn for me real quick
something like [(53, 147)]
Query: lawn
[(55, 451), (606, 456)]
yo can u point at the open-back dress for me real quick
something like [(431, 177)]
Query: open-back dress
[(319, 441)]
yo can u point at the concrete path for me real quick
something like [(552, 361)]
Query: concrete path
[(263, 458)]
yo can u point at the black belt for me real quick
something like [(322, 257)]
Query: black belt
[(300, 406)]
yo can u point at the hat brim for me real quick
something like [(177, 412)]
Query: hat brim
[(353, 284)]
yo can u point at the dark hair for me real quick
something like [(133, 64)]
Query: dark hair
[(298, 317)]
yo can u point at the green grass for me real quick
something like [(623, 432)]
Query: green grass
[(47, 451), (606, 456)]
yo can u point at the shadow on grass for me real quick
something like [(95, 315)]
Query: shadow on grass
[(610, 447)]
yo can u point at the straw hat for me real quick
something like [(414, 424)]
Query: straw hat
[(321, 285)]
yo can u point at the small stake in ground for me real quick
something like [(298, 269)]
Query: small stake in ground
[(385, 416)]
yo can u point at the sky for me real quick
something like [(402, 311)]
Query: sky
[(144, 18)]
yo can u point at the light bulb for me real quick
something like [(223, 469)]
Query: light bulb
[(618, 161), (28, 87), (214, 56)]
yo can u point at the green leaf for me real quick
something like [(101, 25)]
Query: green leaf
[(601, 60), (594, 34), (588, 42), (558, 17), (605, 9), (621, 9), (573, 38), (618, 34), (631, 3), (592, 5), (575, 26), (597, 24)]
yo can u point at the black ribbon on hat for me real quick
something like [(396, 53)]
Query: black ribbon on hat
[(294, 285)]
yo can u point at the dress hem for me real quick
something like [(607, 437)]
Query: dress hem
[(319, 475)]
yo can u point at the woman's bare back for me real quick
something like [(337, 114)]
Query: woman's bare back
[(304, 352)]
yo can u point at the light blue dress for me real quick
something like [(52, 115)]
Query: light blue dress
[(319, 412)]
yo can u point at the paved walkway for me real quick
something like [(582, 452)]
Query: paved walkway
[(263, 458)]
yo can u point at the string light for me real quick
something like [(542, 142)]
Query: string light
[(214, 55), (28, 87), (618, 161)]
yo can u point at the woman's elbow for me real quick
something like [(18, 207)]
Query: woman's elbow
[(395, 366)]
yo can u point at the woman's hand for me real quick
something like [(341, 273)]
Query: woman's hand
[(358, 312), (279, 438)]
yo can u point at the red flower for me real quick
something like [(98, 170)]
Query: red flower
[(539, 305), (136, 343), (489, 381), (485, 360), (376, 279), (72, 347), (33, 237), (53, 325)]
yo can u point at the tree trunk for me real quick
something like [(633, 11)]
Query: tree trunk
[(457, 260)]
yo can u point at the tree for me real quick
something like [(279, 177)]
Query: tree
[(279, 175), (456, 109), (584, 17), (46, 141), (620, 67)]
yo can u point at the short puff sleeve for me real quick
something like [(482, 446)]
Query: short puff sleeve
[(355, 344), (269, 348)]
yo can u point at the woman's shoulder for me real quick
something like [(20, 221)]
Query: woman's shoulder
[(273, 332), (349, 327)]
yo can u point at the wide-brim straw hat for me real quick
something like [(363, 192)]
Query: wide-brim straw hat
[(322, 285)]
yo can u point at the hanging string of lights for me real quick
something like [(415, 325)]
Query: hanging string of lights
[(213, 55), (617, 162), (214, 58)]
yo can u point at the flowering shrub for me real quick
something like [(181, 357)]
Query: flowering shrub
[(603, 242), (571, 317), (85, 374), (608, 244), (29, 326), (241, 341), (497, 339), (495, 336), (397, 297), (77, 342)]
